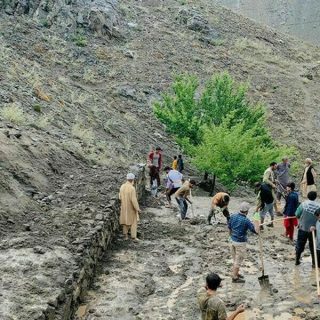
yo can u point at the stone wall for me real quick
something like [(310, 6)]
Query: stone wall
[(90, 250)]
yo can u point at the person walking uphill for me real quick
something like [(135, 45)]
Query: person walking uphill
[(308, 181), (239, 225), (180, 163), (129, 214), (182, 196), (211, 306), (307, 219), (292, 203)]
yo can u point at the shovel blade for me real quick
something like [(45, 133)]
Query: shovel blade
[(264, 281)]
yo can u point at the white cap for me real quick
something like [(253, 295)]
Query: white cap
[(244, 207), (130, 176)]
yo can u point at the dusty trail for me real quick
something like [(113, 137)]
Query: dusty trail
[(158, 278)]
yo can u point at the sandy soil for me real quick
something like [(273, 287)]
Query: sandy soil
[(158, 278)]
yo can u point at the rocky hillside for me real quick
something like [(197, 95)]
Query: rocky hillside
[(77, 79), (297, 18)]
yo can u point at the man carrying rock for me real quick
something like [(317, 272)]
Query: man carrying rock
[(219, 204), (211, 306), (129, 214), (182, 196), (307, 219), (239, 225)]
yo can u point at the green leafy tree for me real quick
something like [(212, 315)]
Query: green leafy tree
[(235, 155), (179, 110), (219, 128)]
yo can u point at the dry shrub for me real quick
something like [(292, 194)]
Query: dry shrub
[(13, 113), (40, 94)]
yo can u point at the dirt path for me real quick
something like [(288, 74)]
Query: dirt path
[(158, 278)]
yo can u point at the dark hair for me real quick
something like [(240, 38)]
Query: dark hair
[(158, 149), (272, 164), (312, 195), (193, 182), (291, 185), (175, 157), (167, 168), (213, 281), (257, 185), (226, 198), (180, 156), (317, 212)]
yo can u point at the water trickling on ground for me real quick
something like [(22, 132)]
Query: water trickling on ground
[(158, 278)]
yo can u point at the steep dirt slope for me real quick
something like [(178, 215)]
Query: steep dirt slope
[(75, 96)]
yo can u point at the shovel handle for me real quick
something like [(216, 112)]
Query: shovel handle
[(261, 253), (316, 260)]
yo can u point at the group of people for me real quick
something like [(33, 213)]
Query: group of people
[(275, 185)]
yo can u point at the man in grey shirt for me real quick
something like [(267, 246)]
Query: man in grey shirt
[(282, 176), (307, 219)]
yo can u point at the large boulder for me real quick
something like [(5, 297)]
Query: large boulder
[(100, 16)]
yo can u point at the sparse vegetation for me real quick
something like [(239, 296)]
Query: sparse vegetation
[(37, 108), (13, 113), (80, 40), (84, 134)]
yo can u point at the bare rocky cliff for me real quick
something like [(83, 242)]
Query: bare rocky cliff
[(77, 81), (294, 17), (99, 16)]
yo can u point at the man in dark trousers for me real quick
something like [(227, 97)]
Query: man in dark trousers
[(265, 200), (307, 219), (180, 163), (155, 164), (182, 196)]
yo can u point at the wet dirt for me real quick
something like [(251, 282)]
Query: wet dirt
[(158, 277)]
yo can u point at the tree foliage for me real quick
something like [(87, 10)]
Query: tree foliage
[(220, 129)]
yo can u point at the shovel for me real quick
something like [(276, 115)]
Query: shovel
[(264, 279), (316, 261)]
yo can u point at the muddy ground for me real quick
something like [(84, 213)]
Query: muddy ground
[(158, 278)]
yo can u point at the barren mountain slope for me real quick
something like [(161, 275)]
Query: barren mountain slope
[(76, 90)]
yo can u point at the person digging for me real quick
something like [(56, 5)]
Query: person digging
[(219, 204), (307, 219), (239, 225)]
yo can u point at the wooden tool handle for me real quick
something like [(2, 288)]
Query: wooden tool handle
[(261, 253), (316, 260)]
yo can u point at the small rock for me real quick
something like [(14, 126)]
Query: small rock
[(129, 54), (27, 227), (99, 216), (10, 221), (39, 250)]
